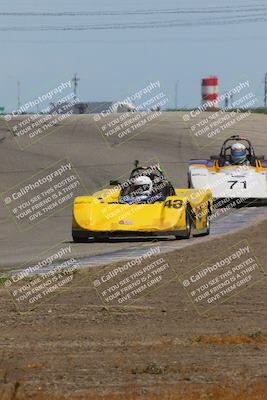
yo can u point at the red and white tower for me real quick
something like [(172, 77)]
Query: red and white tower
[(210, 91)]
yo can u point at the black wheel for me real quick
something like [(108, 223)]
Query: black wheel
[(78, 238), (189, 185), (187, 233), (206, 230)]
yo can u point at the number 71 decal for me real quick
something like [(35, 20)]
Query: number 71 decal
[(233, 183)]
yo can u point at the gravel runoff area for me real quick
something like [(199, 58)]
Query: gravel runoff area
[(74, 346)]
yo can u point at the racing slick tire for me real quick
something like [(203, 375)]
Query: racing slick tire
[(187, 233), (189, 183), (206, 230), (77, 238)]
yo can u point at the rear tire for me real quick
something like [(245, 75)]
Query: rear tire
[(79, 239)]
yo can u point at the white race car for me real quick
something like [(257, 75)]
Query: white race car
[(243, 184)]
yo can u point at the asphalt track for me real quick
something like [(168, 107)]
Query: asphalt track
[(168, 139)]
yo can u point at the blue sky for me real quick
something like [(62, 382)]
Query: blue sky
[(114, 63)]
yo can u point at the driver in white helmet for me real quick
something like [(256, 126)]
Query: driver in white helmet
[(140, 191), (238, 155)]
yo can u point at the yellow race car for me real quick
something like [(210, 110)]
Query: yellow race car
[(146, 204)]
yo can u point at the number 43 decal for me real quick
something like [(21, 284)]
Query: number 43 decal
[(233, 183), (173, 203)]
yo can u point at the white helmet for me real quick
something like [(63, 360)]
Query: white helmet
[(143, 185), (238, 153)]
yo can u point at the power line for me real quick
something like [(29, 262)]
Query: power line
[(141, 25), (153, 40), (225, 9)]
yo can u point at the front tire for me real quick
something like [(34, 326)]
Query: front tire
[(189, 184), (206, 230), (188, 229)]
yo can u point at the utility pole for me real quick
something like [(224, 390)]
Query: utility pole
[(176, 95), (232, 99), (18, 94), (75, 81), (226, 101), (265, 91)]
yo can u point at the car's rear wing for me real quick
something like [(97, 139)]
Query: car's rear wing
[(207, 163)]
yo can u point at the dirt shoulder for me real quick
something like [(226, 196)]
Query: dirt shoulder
[(157, 347)]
